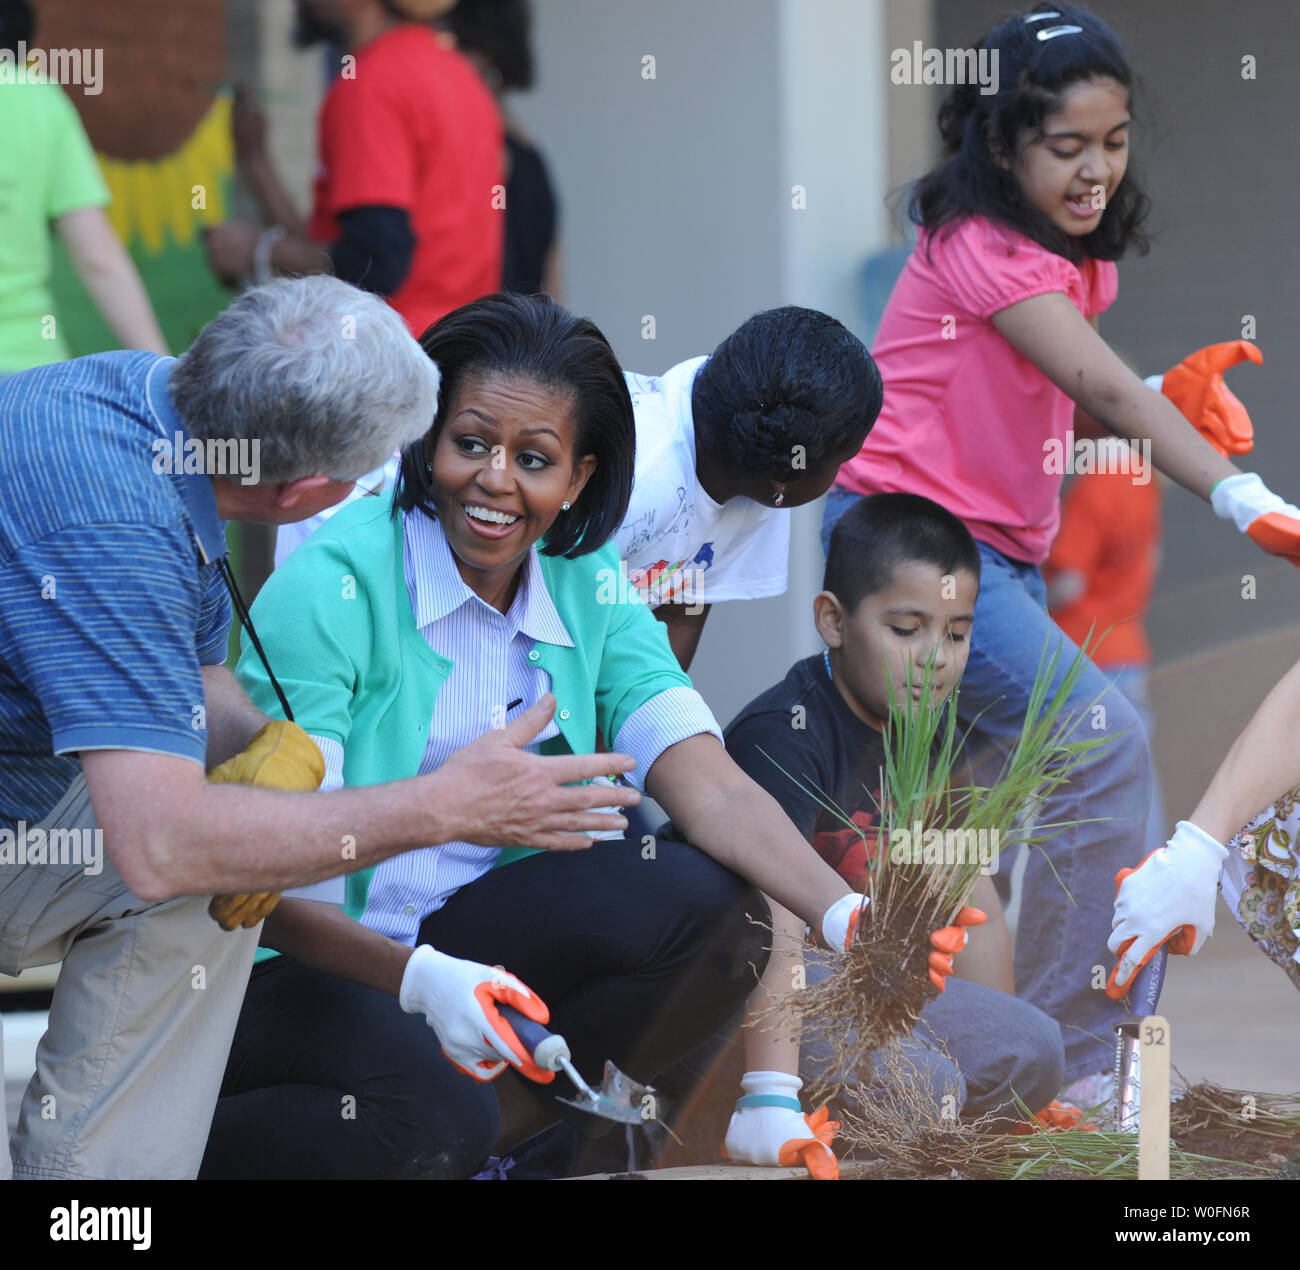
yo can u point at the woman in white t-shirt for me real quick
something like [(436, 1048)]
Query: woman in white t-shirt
[(722, 444)]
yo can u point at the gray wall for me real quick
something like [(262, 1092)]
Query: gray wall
[(676, 202), (668, 187)]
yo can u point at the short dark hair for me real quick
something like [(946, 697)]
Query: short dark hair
[(880, 532), (976, 127), (17, 25), (533, 338), (788, 377), (499, 32)]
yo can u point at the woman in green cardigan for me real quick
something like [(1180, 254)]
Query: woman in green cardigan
[(401, 632)]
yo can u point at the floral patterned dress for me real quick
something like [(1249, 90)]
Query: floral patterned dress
[(1261, 881)]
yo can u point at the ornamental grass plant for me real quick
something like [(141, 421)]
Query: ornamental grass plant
[(938, 832)]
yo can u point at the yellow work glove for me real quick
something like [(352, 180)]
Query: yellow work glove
[(280, 756)]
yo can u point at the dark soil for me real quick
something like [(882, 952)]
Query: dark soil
[(1207, 1120)]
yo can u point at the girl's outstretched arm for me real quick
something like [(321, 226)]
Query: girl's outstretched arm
[(1059, 340), (1169, 898), (1262, 765)]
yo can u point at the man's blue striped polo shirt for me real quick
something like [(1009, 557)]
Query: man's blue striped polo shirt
[(107, 606)]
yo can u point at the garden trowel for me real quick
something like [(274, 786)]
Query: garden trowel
[(618, 1097)]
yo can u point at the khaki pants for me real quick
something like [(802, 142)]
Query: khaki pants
[(128, 1071)]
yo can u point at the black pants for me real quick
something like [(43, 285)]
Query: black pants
[(640, 961)]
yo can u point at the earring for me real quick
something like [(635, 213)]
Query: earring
[(428, 470), (778, 498), (564, 507)]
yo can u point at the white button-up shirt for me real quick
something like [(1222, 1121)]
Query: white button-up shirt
[(494, 666)]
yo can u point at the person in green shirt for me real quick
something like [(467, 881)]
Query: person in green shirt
[(49, 177)]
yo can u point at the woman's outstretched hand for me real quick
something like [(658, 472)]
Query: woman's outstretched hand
[(495, 792)]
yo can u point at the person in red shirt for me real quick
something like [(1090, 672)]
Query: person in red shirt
[(409, 195), (1100, 575)]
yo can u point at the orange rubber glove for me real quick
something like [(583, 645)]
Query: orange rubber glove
[(1178, 941), (280, 756), (1169, 902), (1196, 387), (815, 1153), (1263, 516), (948, 941), (459, 1001), (769, 1127)]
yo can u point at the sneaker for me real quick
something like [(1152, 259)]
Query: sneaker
[(1093, 1097)]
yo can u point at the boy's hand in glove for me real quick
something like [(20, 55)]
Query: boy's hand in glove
[(769, 1127), (280, 756), (840, 924), (948, 941), (840, 921)]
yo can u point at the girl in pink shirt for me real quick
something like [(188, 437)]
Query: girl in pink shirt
[(987, 348)]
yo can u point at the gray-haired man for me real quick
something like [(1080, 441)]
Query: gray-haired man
[(119, 470)]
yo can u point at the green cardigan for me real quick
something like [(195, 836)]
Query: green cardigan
[(336, 623)]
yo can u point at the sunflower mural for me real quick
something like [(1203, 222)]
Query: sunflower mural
[(161, 132)]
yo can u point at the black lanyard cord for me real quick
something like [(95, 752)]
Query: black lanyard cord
[(223, 565)]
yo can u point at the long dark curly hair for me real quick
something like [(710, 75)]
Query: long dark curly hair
[(978, 129)]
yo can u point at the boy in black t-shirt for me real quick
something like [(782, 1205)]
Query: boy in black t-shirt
[(901, 579)]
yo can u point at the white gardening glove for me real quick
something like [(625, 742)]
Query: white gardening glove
[(769, 1127), (458, 999), (1243, 498), (1263, 516), (1172, 889), (841, 920)]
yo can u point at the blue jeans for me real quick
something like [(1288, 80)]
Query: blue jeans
[(1069, 885), (1131, 680), (985, 1048)]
